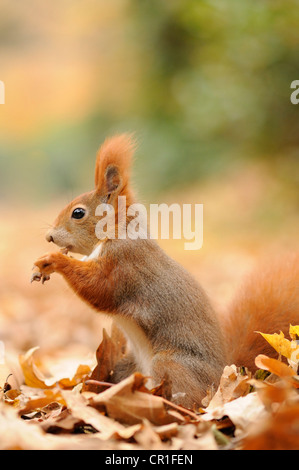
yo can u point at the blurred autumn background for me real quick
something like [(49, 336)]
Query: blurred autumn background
[(205, 85)]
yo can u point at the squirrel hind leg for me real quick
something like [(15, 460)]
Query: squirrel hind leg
[(188, 388), (124, 368)]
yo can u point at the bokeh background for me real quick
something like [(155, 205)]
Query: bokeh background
[(204, 84)]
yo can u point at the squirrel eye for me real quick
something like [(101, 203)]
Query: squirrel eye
[(78, 213)]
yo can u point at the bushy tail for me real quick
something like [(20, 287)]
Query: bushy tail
[(268, 302)]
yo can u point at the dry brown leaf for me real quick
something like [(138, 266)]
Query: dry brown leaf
[(164, 389), (32, 375), (233, 384), (277, 367), (108, 354), (19, 434), (61, 421), (35, 378), (242, 412), (128, 404), (78, 406), (46, 413), (81, 374), (278, 432), (190, 437), (119, 341), (280, 392), (48, 397), (11, 397), (148, 438), (167, 431)]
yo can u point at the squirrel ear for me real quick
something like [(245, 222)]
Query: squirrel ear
[(113, 179), (113, 162)]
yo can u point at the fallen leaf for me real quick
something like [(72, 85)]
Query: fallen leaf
[(128, 404), (50, 411), (11, 397), (60, 422), (35, 378), (167, 431), (48, 397), (108, 354), (279, 392), (19, 434), (147, 437), (79, 406), (278, 432), (294, 332), (233, 384), (32, 375), (164, 389), (242, 412), (277, 367), (285, 347), (279, 343), (194, 437), (81, 374)]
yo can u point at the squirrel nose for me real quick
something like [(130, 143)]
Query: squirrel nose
[(49, 238)]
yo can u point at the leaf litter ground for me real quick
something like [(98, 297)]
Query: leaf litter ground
[(83, 410)]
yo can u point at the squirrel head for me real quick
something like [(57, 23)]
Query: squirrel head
[(75, 226)]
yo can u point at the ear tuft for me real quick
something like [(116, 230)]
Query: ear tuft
[(114, 162)]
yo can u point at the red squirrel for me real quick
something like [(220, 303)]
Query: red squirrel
[(165, 314)]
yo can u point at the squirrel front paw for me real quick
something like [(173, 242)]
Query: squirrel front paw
[(44, 266), (38, 276)]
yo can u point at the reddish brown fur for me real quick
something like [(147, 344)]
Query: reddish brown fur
[(164, 312), (116, 151), (267, 302)]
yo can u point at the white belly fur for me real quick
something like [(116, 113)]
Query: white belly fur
[(139, 345), (94, 254)]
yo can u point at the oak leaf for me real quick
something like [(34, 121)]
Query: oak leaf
[(130, 402), (285, 347), (233, 384)]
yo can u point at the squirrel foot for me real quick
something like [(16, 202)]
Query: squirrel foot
[(38, 276), (46, 265)]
